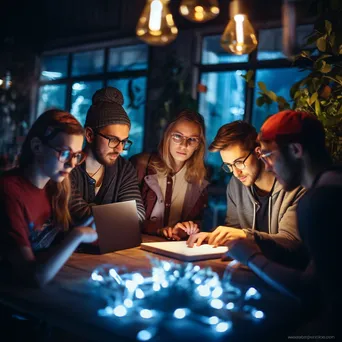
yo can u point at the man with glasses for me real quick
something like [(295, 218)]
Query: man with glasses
[(105, 177), (258, 206), (293, 147)]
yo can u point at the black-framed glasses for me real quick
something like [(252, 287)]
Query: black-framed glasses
[(67, 154), (239, 164), (180, 138), (115, 141)]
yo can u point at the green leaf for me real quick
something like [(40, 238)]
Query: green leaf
[(313, 98), (249, 75), (260, 101), (328, 26), (322, 43), (272, 96), (317, 107), (282, 103), (313, 38), (297, 94), (262, 87), (332, 39), (326, 68), (305, 54)]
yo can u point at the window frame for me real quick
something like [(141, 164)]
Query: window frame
[(252, 64), (104, 76)]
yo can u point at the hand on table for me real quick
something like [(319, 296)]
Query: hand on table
[(223, 236), (86, 230), (180, 230), (243, 250), (198, 239)]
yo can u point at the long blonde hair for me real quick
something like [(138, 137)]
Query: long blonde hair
[(196, 171), (46, 127)]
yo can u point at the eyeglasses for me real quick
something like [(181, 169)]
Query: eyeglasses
[(67, 154), (239, 164), (115, 141), (265, 157), (180, 138)]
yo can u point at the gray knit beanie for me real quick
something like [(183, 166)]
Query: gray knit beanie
[(106, 109)]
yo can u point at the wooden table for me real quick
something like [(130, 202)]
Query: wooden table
[(61, 304)]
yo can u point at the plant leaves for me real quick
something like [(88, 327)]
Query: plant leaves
[(297, 94), (340, 50), (317, 107), (260, 101), (328, 26), (326, 68), (313, 98), (332, 39), (322, 43), (249, 75), (272, 96), (262, 87)]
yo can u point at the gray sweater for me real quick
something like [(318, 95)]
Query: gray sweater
[(283, 238)]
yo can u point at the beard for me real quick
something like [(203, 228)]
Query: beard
[(100, 158), (292, 173)]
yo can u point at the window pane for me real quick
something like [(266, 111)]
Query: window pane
[(223, 102), (82, 93), (270, 42), (51, 96), (134, 92), (128, 58), (271, 77), (86, 63), (53, 67), (213, 53)]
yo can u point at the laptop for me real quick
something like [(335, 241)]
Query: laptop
[(117, 226), (179, 250)]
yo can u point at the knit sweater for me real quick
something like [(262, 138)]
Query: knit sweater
[(119, 184)]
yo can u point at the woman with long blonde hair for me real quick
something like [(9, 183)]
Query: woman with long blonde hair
[(172, 181), (34, 200)]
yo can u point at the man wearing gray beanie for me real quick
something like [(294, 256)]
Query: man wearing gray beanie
[(105, 177)]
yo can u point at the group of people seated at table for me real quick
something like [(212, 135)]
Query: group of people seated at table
[(282, 201)]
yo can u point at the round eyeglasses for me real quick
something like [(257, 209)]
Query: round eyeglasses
[(67, 154), (115, 141), (180, 138), (239, 164)]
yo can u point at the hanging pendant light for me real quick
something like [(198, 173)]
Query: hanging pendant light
[(199, 11), (156, 25), (239, 36)]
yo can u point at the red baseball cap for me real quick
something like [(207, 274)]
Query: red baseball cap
[(285, 124)]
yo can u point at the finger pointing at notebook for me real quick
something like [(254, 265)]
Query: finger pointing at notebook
[(188, 227), (198, 238)]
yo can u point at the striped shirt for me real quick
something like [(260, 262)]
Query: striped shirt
[(119, 184)]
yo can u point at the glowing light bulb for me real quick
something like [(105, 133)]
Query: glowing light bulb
[(154, 22), (239, 36), (156, 25), (199, 10)]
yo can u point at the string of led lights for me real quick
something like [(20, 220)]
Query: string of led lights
[(173, 292)]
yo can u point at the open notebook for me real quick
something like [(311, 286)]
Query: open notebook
[(179, 250)]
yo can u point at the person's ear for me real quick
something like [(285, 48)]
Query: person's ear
[(89, 135), (296, 150), (36, 146)]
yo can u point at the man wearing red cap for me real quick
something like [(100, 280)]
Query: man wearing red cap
[(293, 147)]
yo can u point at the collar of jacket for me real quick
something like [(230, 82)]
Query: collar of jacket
[(194, 191)]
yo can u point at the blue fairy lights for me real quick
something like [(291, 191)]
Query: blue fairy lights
[(173, 291)]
